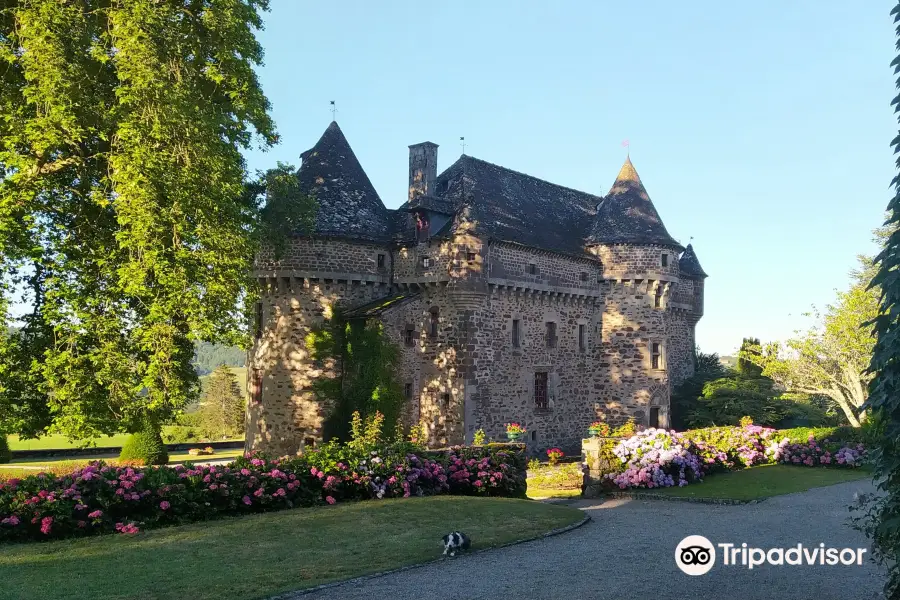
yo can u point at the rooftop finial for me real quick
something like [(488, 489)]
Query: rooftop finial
[(462, 141), (627, 145), (333, 111)]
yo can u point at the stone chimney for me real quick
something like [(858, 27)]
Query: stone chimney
[(422, 169)]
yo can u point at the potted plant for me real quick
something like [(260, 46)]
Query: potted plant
[(554, 454), (514, 431), (599, 429)]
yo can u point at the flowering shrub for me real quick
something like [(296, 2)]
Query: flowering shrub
[(725, 448), (554, 454), (514, 429), (746, 421), (99, 498), (656, 458), (814, 453)]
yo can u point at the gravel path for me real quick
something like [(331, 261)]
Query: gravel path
[(627, 552)]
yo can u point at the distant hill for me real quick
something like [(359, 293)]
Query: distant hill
[(209, 356), (728, 361)]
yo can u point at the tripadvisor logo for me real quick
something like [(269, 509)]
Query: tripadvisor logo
[(696, 555)]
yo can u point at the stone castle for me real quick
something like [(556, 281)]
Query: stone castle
[(509, 297)]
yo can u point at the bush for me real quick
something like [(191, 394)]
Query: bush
[(725, 448), (656, 458), (565, 476), (178, 434), (813, 453), (5, 453), (103, 499), (145, 447)]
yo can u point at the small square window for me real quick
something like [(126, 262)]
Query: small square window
[(665, 260), (532, 269), (584, 276), (551, 334), (381, 261), (409, 335), (582, 342), (470, 257), (426, 262), (516, 333)]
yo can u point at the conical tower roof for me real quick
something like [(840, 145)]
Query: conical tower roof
[(627, 216), (689, 265), (348, 203)]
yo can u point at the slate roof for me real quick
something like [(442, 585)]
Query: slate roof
[(627, 215), (689, 265), (503, 204), (348, 203), (515, 207)]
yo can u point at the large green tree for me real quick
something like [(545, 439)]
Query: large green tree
[(884, 388), (831, 358), (124, 209), (222, 406)]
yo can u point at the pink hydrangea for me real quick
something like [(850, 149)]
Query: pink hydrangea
[(164, 505), (46, 524), (247, 500), (96, 514), (330, 500)]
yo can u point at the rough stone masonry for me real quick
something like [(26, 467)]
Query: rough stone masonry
[(510, 299)]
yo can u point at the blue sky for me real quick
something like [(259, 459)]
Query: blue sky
[(761, 129)]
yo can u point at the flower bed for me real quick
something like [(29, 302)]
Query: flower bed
[(656, 458), (104, 499)]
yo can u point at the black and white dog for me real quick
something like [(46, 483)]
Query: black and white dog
[(454, 542)]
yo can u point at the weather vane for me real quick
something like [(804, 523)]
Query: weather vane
[(627, 144), (462, 140), (333, 111)]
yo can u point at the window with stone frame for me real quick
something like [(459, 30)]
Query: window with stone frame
[(531, 269), (434, 319), (470, 257), (407, 391), (256, 386), (657, 298), (381, 262), (665, 260), (426, 262), (657, 355), (654, 416), (582, 337), (409, 335), (445, 400), (551, 334), (541, 391), (516, 333), (584, 276)]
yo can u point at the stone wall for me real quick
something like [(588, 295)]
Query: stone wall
[(624, 261), (510, 262), (326, 256)]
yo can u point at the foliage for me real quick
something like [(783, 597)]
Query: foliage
[(655, 458), (626, 429), (880, 517), (745, 367), (811, 453), (599, 429), (209, 356), (746, 421), (479, 438), (5, 454), (554, 454), (145, 447), (104, 499), (222, 408), (124, 205), (684, 397), (360, 363), (831, 358), (565, 476), (514, 429)]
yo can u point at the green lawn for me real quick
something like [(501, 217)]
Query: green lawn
[(262, 555), (59, 442), (765, 481), (174, 457)]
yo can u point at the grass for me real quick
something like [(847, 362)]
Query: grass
[(539, 492), (32, 466), (262, 555), (765, 481), (60, 442)]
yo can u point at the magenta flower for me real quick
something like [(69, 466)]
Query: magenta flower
[(164, 505), (330, 500), (96, 514), (46, 524), (247, 500)]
